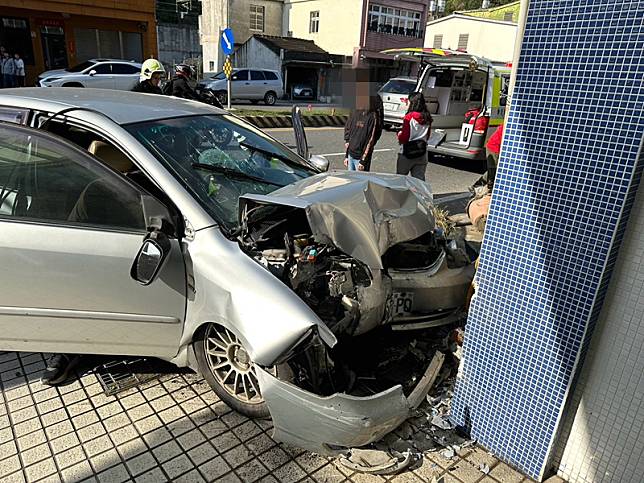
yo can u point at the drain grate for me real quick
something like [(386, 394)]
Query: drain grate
[(117, 376)]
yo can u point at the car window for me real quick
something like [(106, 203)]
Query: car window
[(218, 76), (80, 67), (125, 69), (220, 158), (44, 179), (241, 75), (103, 68), (270, 75), (256, 75), (397, 86)]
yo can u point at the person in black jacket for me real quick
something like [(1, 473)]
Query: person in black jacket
[(361, 132), (179, 86), (151, 72)]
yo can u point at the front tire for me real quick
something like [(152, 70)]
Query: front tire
[(225, 364), (270, 98), (222, 97)]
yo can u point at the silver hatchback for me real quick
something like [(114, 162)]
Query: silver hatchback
[(178, 231), (395, 94)]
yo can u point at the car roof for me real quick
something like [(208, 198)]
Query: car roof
[(123, 107), (114, 60)]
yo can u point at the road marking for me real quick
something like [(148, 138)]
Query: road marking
[(313, 129), (343, 153)]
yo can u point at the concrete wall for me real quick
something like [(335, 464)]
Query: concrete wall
[(215, 17), (602, 440), (177, 43), (340, 23), (256, 55), (491, 39)]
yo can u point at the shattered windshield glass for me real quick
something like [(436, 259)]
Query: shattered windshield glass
[(219, 158)]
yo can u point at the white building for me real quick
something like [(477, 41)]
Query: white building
[(490, 38)]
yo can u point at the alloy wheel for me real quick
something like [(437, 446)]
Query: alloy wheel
[(231, 365)]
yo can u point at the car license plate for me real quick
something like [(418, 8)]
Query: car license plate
[(388, 106), (403, 303)]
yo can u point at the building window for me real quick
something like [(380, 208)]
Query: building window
[(508, 17), (257, 18), (438, 41), (462, 41), (314, 22), (394, 21), (211, 66)]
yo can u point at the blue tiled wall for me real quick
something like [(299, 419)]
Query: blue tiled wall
[(568, 174)]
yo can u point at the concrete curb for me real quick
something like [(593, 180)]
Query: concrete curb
[(321, 120)]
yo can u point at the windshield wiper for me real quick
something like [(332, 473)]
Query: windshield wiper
[(281, 157), (233, 173)]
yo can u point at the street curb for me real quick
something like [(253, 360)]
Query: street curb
[(322, 120)]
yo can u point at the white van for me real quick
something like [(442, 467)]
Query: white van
[(466, 96)]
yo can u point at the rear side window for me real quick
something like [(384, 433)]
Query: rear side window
[(398, 87), (124, 69), (256, 75), (46, 180), (270, 75)]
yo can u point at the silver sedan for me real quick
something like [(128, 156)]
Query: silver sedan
[(176, 230)]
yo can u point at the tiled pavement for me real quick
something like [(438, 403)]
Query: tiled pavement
[(170, 429)]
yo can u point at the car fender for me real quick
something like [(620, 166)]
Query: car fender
[(228, 287)]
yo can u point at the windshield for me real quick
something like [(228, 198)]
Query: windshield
[(219, 158), (80, 67), (219, 76), (397, 86)]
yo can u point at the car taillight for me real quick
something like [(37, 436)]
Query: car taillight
[(481, 124), (404, 100)]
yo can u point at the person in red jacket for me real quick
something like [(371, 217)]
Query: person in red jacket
[(493, 148), (412, 157)]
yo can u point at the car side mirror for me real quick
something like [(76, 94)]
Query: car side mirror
[(152, 254), (92, 73), (320, 162)]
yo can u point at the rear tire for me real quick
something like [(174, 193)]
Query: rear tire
[(225, 364), (270, 98)]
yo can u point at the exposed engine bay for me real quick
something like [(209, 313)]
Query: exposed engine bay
[(360, 268)]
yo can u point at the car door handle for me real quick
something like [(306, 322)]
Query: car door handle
[(247, 83), (265, 83)]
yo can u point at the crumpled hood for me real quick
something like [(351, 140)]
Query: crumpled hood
[(363, 214)]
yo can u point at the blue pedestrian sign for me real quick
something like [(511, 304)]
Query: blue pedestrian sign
[(227, 41)]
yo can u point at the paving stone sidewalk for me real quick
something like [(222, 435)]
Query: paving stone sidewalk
[(171, 429)]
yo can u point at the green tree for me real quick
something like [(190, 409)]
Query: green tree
[(457, 5)]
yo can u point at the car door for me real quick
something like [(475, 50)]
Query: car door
[(125, 76), (258, 85), (71, 230), (100, 76), (240, 84)]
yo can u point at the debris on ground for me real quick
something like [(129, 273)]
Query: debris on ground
[(428, 430), (375, 461)]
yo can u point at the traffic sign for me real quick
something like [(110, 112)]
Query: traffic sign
[(228, 67), (227, 41)]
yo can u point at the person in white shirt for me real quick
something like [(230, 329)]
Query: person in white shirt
[(19, 71)]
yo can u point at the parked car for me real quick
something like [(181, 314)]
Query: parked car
[(152, 233), (96, 73), (467, 97), (247, 84), (394, 96), (302, 91)]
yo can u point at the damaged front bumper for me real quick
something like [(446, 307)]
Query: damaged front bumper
[(330, 425)]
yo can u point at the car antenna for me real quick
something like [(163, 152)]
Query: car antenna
[(68, 109)]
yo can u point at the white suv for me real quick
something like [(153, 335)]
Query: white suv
[(100, 73), (252, 85)]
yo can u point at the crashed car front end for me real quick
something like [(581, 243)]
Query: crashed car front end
[(362, 251)]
